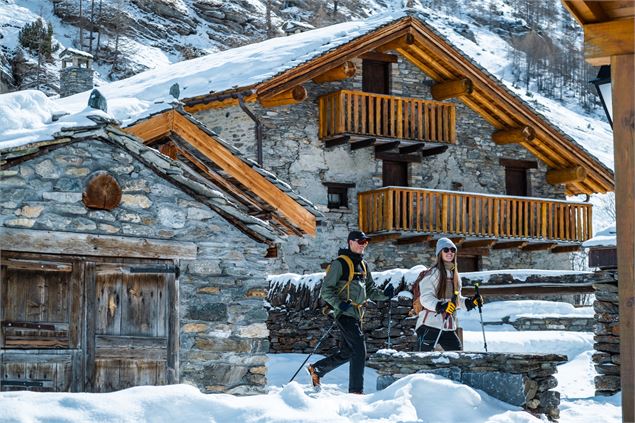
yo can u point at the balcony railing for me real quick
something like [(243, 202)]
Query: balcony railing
[(469, 214), (376, 115)]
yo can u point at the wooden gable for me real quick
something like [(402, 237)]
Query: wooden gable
[(184, 139), (454, 74)]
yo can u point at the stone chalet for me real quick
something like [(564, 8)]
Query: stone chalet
[(385, 125), (136, 251)]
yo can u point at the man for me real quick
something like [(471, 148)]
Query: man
[(347, 295)]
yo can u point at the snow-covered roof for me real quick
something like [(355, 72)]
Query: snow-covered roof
[(604, 238), (135, 98), (70, 50)]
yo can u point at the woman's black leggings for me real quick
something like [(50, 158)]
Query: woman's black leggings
[(426, 336)]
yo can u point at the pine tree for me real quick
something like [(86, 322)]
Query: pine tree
[(37, 38)]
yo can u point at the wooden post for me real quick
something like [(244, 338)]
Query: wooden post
[(624, 151), (514, 135), (291, 96), (450, 89), (565, 176), (390, 209), (343, 71)]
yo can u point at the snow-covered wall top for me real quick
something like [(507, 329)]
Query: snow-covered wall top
[(144, 94), (604, 238)]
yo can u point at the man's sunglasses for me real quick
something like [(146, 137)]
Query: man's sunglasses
[(448, 249), (361, 241)]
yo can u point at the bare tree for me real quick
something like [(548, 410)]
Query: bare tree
[(99, 17), (81, 26), (268, 19), (92, 25)]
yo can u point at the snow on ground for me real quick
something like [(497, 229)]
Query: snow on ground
[(415, 398)]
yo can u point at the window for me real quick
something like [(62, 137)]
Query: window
[(516, 176), (468, 263), (337, 195)]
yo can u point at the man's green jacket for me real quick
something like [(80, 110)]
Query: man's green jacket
[(334, 290)]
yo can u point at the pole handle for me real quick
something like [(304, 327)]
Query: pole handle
[(478, 295)]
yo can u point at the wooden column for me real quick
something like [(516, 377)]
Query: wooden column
[(565, 176), (624, 151)]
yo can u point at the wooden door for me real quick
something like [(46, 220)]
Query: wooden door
[(132, 331), (375, 76), (516, 181), (395, 173), (468, 263), (40, 323)]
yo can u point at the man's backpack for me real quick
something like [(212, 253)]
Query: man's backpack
[(349, 271)]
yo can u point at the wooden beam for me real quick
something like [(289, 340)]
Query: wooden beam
[(151, 129), (566, 176), (293, 96), (336, 141), (412, 148), (480, 251), (622, 77), (507, 245), (356, 145), (228, 101), (53, 242), (476, 243), (396, 157), (514, 136), (539, 246), (585, 11), (451, 89), (385, 146), (567, 248), (380, 57), (338, 73), (244, 174), (434, 151), (383, 237), (533, 289), (605, 39), (413, 239)]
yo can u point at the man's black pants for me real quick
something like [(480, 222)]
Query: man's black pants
[(352, 347), (426, 336)]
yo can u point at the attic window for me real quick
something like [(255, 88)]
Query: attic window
[(337, 195)]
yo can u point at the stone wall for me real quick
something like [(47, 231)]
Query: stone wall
[(574, 324), (524, 380), (294, 153), (607, 338), (223, 331), (296, 322)]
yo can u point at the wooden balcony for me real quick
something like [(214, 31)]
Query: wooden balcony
[(467, 215), (384, 116)]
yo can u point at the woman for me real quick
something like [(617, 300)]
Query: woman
[(440, 296)]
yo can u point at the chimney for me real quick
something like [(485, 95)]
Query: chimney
[(76, 75)]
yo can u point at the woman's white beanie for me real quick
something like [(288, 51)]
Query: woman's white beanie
[(444, 243)]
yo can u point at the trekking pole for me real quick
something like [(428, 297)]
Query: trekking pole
[(480, 313), (314, 350), (454, 299)]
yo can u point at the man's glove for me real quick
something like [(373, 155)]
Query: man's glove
[(344, 305), (445, 307), (389, 291), (472, 302)]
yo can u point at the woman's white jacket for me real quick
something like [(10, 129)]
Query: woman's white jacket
[(428, 289)]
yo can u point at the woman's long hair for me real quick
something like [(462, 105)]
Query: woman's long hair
[(443, 276)]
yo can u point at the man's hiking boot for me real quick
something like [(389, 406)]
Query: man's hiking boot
[(315, 378)]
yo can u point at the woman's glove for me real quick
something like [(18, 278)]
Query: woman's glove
[(445, 307), (472, 302)]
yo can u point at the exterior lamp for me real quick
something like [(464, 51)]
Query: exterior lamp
[(603, 85)]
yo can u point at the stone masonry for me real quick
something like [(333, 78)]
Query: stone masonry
[(293, 151), (525, 380), (223, 333), (607, 338)]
